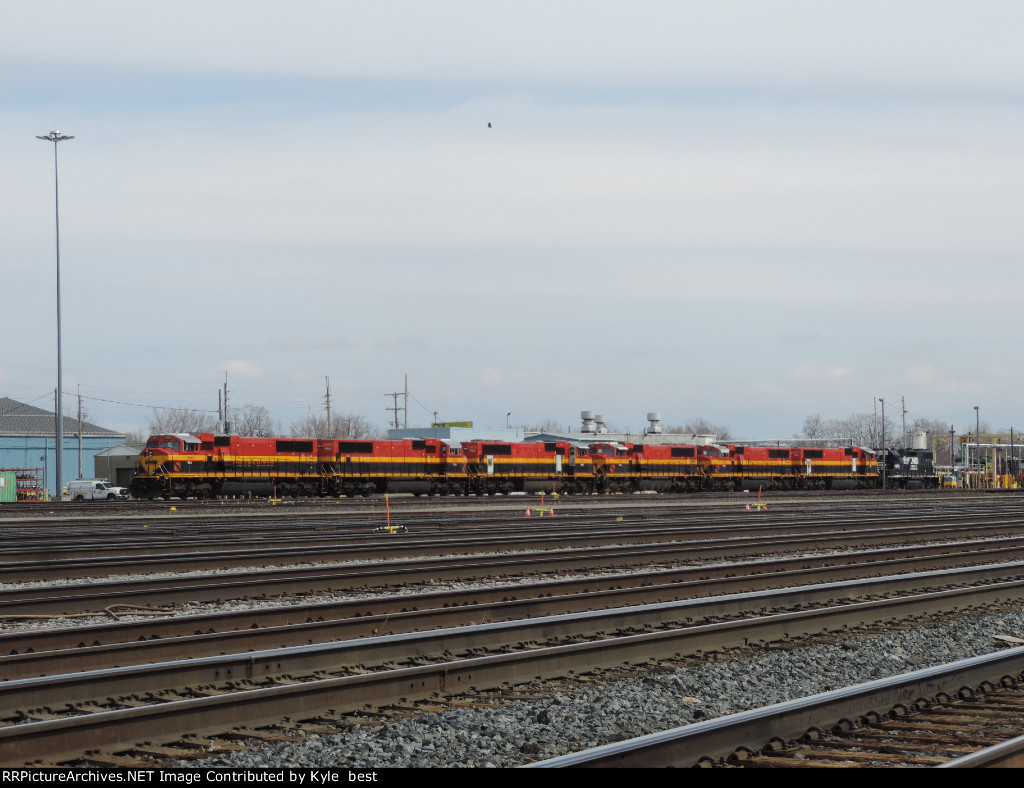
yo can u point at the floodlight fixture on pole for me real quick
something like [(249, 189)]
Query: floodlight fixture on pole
[(55, 137)]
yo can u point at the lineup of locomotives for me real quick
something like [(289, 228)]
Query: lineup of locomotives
[(209, 466)]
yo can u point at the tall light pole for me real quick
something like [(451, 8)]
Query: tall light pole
[(884, 457), (977, 447), (55, 137)]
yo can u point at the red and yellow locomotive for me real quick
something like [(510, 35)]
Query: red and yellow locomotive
[(639, 467), (494, 468), (208, 465), (785, 468)]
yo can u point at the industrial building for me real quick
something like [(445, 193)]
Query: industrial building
[(28, 447), (593, 429), (118, 463)]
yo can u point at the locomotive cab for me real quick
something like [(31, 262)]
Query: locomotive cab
[(166, 456), (163, 450), (613, 467)]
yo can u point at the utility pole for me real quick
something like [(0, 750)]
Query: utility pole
[(396, 408), (227, 423), (884, 458), (952, 457), (329, 433), (79, 430), (903, 404), (405, 410)]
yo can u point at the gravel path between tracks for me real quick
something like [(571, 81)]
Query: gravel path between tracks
[(528, 731)]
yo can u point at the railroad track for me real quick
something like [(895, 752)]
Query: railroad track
[(54, 510), (964, 714), (37, 652), (62, 716), (163, 593), (152, 535), (367, 659)]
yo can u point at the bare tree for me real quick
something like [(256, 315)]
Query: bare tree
[(349, 425), (342, 426), (254, 421), (166, 421), (859, 429), (135, 435), (310, 426), (548, 425), (700, 426), (813, 427), (934, 428)]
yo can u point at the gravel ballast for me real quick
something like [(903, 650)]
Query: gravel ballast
[(585, 716)]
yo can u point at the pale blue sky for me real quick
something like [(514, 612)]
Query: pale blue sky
[(746, 211)]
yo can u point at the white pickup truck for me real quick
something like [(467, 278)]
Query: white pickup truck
[(95, 490)]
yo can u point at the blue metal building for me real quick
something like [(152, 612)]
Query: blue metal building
[(28, 440)]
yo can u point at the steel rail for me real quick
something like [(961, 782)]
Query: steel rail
[(64, 738), (46, 512), (95, 597), (183, 539), (363, 618), (1007, 755), (70, 688), (412, 548), (124, 544), (705, 580), (752, 730)]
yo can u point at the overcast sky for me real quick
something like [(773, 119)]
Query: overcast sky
[(746, 211)]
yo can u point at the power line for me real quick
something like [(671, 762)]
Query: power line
[(428, 410), (136, 405), (24, 404)]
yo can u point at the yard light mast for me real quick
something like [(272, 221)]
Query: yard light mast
[(55, 137), (977, 446), (884, 463)]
